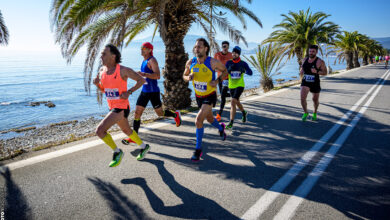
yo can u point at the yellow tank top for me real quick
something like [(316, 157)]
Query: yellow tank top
[(203, 75)]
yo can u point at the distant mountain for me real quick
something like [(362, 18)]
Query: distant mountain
[(189, 42), (385, 41)]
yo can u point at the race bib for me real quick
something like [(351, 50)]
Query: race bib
[(146, 81), (200, 86), (235, 74), (225, 82), (309, 78), (112, 94)]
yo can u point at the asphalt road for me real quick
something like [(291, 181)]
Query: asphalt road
[(273, 166)]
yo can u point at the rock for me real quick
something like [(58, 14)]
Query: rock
[(50, 104), (34, 104)]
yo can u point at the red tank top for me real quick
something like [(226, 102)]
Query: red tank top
[(114, 86)]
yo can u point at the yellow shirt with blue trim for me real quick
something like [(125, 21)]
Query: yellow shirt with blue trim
[(203, 75)]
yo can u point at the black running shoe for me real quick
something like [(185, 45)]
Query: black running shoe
[(197, 155), (222, 133)]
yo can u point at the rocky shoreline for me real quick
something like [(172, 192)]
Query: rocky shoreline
[(64, 132)]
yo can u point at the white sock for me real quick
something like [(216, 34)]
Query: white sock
[(142, 146), (117, 150)]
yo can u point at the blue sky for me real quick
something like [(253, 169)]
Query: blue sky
[(29, 25)]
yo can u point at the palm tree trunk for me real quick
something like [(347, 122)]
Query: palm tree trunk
[(356, 59), (365, 60), (298, 53), (348, 59), (174, 25)]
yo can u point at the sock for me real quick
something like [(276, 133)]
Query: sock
[(168, 113), (136, 125), (222, 106), (110, 142), (216, 124), (134, 136), (199, 136)]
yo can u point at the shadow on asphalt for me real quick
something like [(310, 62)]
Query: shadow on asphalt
[(121, 206), (194, 206), (16, 205)]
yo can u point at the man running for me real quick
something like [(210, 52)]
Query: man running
[(376, 59), (236, 69), (201, 70), (223, 56), (387, 58), (310, 73), (150, 90), (112, 80)]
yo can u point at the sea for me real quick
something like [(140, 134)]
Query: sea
[(46, 76)]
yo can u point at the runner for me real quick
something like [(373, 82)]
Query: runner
[(112, 80), (310, 73), (236, 69), (201, 70), (150, 90), (223, 56), (387, 58), (376, 59)]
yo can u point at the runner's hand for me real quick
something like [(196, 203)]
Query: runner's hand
[(313, 69), (190, 77), (125, 95), (214, 83), (96, 81)]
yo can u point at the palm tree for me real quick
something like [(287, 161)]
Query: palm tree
[(3, 31), (93, 22), (299, 30), (345, 45), (267, 62)]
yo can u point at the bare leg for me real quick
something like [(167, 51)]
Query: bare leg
[(316, 101), (110, 119), (304, 91)]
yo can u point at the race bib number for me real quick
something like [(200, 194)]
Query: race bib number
[(225, 83), (235, 74), (200, 86), (309, 78), (112, 94)]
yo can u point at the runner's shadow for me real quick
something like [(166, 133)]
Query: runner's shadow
[(122, 207), (194, 206), (16, 205)]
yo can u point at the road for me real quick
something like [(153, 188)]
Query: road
[(273, 167)]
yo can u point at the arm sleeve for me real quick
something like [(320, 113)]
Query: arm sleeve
[(248, 69)]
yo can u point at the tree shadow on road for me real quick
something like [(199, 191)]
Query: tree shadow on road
[(16, 205), (194, 206), (121, 206)]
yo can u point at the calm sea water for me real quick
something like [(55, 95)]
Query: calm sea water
[(27, 77)]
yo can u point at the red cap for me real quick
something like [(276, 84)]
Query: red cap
[(148, 45)]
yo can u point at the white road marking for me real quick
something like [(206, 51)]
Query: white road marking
[(270, 195), (289, 208)]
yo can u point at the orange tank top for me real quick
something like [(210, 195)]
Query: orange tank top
[(114, 86)]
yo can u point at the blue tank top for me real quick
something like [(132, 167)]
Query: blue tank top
[(150, 84)]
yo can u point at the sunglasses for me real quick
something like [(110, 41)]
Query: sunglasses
[(225, 46)]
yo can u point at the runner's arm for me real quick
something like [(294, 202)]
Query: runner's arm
[(218, 66), (322, 70), (156, 70), (186, 75), (130, 73), (97, 82), (247, 69)]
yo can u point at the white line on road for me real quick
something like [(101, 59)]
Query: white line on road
[(263, 203), (289, 208)]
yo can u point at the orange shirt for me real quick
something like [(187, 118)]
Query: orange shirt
[(114, 86), (223, 58)]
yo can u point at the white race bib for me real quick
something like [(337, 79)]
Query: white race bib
[(225, 83), (112, 94), (200, 86), (309, 78), (235, 74)]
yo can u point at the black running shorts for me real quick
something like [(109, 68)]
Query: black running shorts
[(153, 97)]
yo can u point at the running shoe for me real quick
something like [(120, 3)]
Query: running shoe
[(218, 117), (143, 152), (197, 155), (230, 125), (222, 133), (304, 116), (178, 118), (244, 116), (314, 117), (116, 159), (127, 141)]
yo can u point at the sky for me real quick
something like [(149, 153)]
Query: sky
[(28, 21)]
